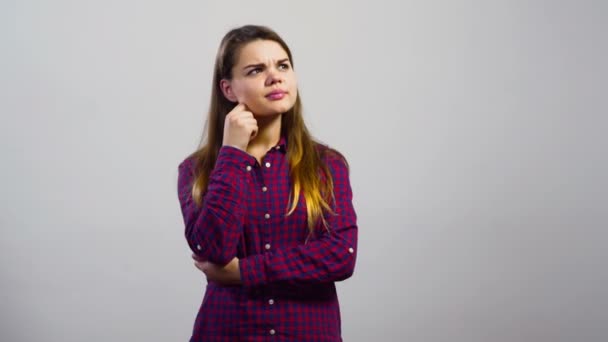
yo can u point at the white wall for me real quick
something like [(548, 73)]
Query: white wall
[(476, 133)]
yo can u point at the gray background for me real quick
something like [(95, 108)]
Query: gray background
[(476, 133)]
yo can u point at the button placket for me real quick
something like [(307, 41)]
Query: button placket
[(266, 165)]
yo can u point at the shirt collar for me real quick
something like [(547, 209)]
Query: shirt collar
[(281, 145)]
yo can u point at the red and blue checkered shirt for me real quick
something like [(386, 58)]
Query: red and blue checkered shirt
[(288, 291)]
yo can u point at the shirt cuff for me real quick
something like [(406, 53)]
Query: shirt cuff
[(253, 272), (234, 158)]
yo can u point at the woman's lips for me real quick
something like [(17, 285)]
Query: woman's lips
[(275, 95)]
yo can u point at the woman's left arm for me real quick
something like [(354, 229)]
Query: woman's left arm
[(331, 257)]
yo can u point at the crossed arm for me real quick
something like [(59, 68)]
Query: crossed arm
[(213, 230)]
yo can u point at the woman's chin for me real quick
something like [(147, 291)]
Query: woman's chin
[(270, 111)]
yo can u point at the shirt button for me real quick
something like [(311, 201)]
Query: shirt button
[(267, 216), (267, 246), (278, 147), (199, 247), (351, 250), (271, 301), (264, 189), (248, 167), (267, 164), (272, 332)]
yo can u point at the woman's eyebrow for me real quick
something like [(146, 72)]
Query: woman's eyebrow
[(253, 66), (262, 64)]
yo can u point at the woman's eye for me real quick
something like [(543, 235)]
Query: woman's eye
[(284, 66), (254, 71)]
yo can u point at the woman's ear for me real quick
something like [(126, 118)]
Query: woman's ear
[(226, 87)]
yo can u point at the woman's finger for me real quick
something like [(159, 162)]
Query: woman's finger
[(197, 258)]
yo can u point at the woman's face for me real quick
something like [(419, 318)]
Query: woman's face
[(262, 79)]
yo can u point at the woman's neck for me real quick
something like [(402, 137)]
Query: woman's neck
[(269, 134)]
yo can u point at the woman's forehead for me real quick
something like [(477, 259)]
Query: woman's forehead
[(261, 51)]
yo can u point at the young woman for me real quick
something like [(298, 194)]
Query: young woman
[(268, 211)]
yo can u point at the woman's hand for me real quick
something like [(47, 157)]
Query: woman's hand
[(228, 274), (239, 127)]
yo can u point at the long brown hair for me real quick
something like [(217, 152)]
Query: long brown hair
[(308, 172)]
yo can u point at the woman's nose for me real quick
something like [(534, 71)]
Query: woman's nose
[(273, 76)]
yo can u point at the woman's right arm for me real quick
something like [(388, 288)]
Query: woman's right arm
[(213, 229)]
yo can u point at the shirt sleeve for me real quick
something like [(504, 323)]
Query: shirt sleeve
[(213, 229), (330, 257)]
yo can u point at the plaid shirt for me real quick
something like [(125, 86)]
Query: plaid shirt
[(288, 291)]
